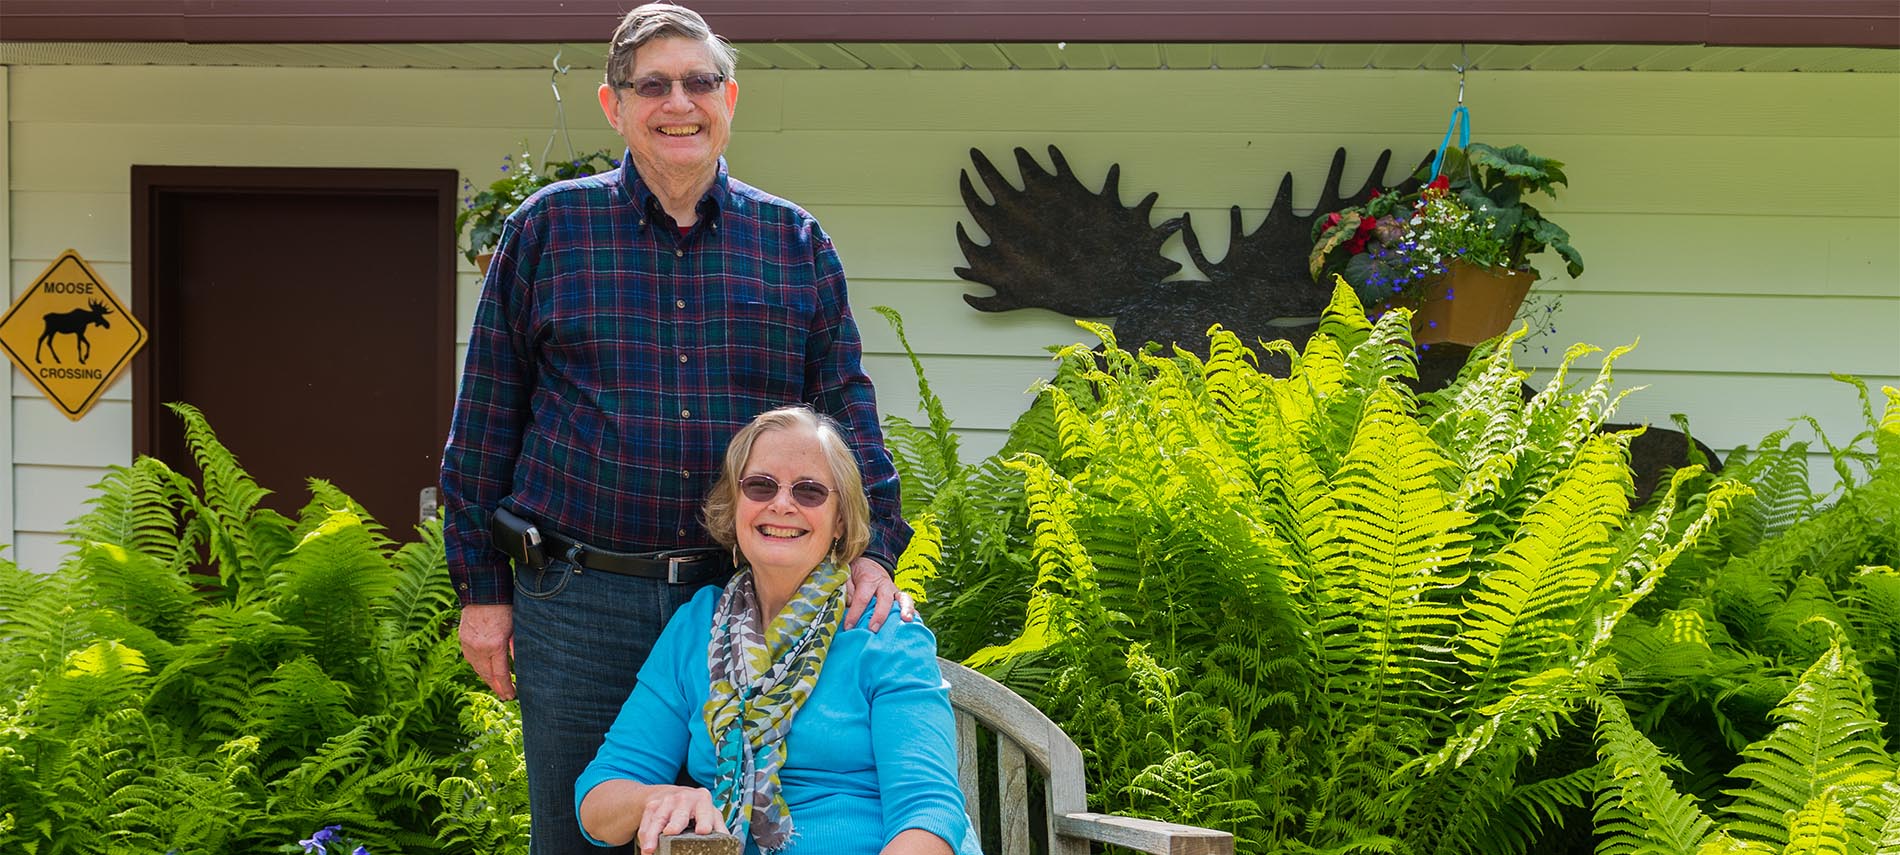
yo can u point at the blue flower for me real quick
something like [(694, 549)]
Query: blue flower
[(361, 850), (317, 841)]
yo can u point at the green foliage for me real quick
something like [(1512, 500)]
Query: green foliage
[(1783, 580), (970, 557), (1496, 182), (206, 675), (485, 806), (484, 211), (1820, 782), (1320, 612)]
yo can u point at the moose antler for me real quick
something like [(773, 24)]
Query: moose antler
[(1055, 244), (1273, 258)]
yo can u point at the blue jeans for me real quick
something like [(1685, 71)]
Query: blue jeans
[(580, 638)]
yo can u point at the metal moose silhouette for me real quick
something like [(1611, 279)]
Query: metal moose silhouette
[(1055, 244), (74, 322)]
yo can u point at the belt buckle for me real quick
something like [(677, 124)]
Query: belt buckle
[(673, 562)]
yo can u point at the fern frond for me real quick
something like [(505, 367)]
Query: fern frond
[(941, 452), (1827, 741), (230, 496), (1638, 810), (1398, 543), (137, 508), (328, 586), (1524, 614), (1063, 565)]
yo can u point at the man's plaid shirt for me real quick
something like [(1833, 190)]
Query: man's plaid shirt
[(612, 358)]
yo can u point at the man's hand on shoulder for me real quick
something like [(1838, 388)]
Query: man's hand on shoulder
[(871, 582), (488, 634)]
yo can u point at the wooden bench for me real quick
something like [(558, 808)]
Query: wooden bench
[(994, 722)]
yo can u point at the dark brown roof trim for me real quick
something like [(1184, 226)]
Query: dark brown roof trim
[(1796, 23)]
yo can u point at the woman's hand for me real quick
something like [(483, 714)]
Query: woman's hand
[(620, 811), (671, 810)]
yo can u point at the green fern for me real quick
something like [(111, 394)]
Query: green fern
[(1821, 782), (1828, 744), (1315, 610), (317, 682), (1638, 811)]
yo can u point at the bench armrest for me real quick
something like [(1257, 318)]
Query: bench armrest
[(699, 844), (1145, 835)]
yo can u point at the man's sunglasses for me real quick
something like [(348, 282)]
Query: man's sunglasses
[(660, 87), (764, 488)]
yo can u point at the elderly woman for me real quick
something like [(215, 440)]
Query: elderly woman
[(812, 737)]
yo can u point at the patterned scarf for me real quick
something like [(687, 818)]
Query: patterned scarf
[(761, 675)]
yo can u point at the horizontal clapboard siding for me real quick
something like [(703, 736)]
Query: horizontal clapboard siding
[(1744, 226)]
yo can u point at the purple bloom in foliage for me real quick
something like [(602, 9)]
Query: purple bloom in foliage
[(361, 850), (316, 842)]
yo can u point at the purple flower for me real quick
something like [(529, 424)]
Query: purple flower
[(361, 850), (317, 841)]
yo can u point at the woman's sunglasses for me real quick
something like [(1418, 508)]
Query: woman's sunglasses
[(764, 488), (660, 87)]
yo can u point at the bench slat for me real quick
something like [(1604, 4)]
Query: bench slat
[(967, 778), (1012, 780)]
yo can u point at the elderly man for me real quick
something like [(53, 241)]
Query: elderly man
[(629, 324)]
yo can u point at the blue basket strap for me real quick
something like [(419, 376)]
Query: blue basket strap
[(1460, 122)]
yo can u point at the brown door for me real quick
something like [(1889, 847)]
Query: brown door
[(309, 314)]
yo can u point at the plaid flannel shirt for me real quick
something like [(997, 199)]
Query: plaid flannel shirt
[(612, 358)]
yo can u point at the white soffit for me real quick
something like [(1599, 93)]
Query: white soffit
[(957, 56)]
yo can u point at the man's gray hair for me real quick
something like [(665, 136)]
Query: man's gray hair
[(662, 21)]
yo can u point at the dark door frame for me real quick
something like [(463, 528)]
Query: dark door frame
[(152, 184)]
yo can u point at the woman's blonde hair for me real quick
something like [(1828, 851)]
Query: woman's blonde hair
[(854, 511)]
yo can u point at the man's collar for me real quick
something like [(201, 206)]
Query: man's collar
[(717, 198)]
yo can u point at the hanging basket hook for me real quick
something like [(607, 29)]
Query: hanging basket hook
[(1464, 61), (560, 110)]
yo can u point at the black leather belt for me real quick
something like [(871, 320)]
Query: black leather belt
[(676, 566)]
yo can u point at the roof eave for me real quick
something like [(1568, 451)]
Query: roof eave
[(1721, 23)]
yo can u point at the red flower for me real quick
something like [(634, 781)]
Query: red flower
[(1332, 219), (1358, 242), (1442, 183)]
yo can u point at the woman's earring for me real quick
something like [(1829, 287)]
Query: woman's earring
[(735, 556)]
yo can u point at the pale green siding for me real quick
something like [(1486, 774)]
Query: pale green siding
[(1746, 226)]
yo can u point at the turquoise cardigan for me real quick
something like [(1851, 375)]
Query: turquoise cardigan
[(871, 753)]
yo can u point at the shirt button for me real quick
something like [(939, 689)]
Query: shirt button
[(643, 222), (685, 474), (682, 532), (679, 253), (679, 304), (686, 414), (682, 357)]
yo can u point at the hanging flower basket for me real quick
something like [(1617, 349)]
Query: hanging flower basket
[(1467, 304)]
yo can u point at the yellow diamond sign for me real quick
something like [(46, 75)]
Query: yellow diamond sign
[(70, 334)]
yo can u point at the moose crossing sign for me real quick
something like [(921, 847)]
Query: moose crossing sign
[(70, 334)]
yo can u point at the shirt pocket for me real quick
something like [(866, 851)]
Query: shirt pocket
[(762, 348)]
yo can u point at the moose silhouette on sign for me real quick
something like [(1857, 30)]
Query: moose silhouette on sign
[(74, 322)]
